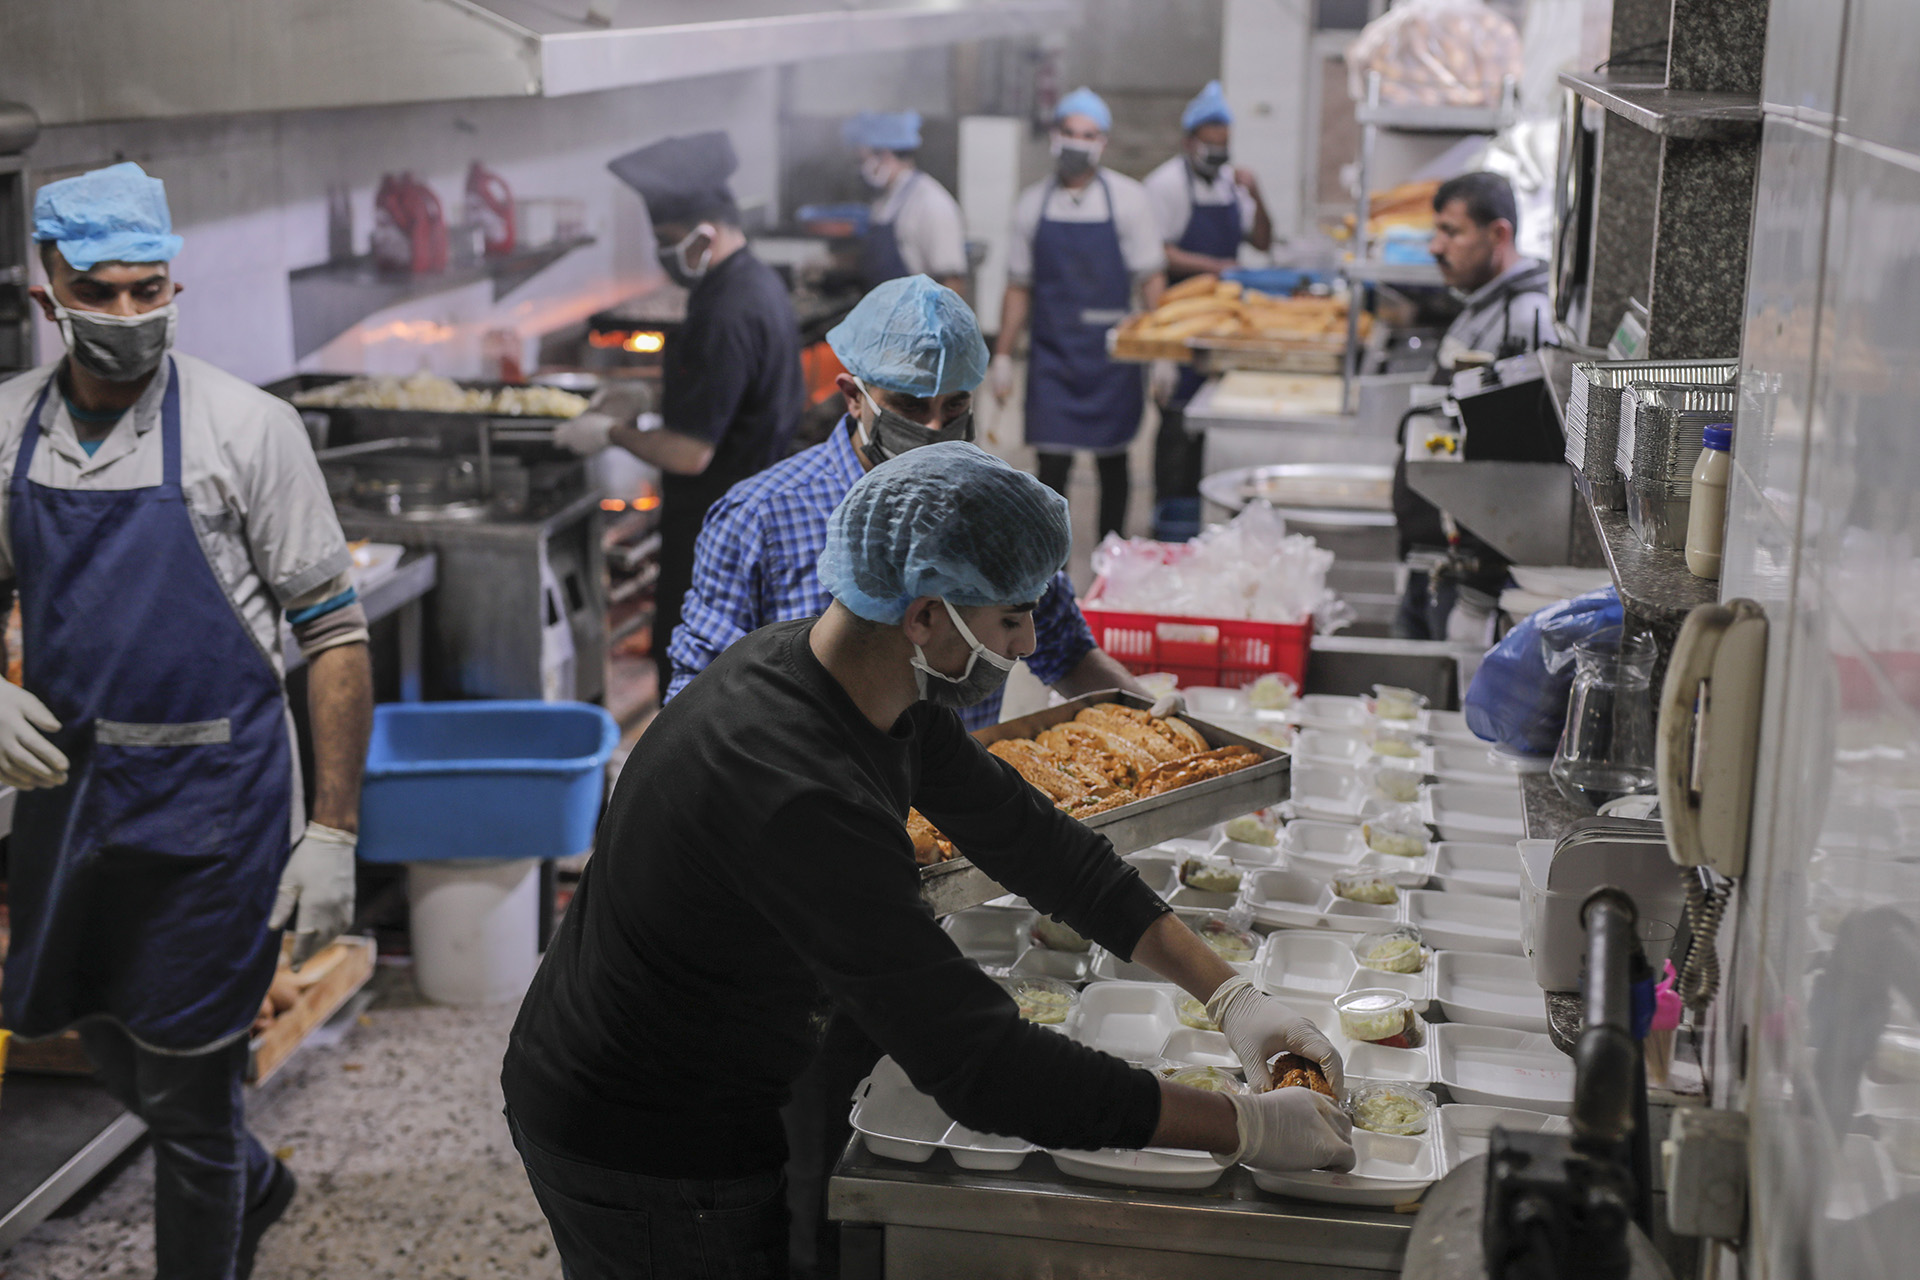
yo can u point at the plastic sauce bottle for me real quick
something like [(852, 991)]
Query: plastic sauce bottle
[(1707, 516)]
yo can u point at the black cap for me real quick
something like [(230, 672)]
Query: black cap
[(682, 179)]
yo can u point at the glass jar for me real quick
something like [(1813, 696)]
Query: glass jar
[(1606, 748)]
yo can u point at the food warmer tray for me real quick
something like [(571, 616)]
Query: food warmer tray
[(957, 885)]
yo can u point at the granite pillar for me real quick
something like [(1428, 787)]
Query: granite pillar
[(1626, 198)]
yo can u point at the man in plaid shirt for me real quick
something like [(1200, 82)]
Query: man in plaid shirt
[(913, 354)]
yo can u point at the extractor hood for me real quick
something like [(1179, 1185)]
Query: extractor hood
[(79, 61)]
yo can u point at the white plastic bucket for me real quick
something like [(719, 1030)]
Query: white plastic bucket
[(475, 928)]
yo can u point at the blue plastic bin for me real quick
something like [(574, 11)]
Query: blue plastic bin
[(452, 780)]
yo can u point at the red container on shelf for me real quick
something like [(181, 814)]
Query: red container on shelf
[(1228, 653)]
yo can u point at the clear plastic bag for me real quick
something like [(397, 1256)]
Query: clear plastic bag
[(1250, 568), (1436, 53)]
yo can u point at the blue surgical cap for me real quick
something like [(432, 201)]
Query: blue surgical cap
[(1085, 102), (947, 520), (1209, 106), (912, 336), (115, 214), (883, 130)]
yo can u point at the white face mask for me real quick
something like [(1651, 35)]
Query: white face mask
[(974, 684), (877, 171), (674, 259)]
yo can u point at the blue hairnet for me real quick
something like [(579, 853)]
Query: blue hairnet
[(883, 130), (912, 336), (1209, 106), (1085, 102), (947, 520), (115, 214)]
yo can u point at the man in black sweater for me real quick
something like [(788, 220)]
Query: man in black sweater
[(754, 863)]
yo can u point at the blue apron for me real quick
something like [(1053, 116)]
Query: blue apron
[(1077, 398), (140, 889), (1215, 230), (880, 259)]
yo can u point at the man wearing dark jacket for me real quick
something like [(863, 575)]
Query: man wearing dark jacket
[(1507, 311)]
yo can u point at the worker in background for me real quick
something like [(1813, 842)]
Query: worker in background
[(915, 228), (161, 518), (1085, 245), (1454, 579), (753, 862), (913, 357), (731, 390), (1207, 207)]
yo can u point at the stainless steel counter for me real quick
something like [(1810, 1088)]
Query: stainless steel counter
[(906, 1221)]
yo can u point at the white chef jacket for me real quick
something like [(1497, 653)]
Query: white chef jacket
[(253, 487), (1141, 245), (927, 225), (1174, 188)]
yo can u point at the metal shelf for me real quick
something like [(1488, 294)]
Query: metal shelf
[(1441, 119), (1557, 365), (58, 1132), (1672, 113), (329, 298), (1374, 271), (1654, 583)]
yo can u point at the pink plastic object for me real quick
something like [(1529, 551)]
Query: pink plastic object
[(1666, 1003)]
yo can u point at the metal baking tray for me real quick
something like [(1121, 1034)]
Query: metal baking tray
[(957, 885), (1223, 355)]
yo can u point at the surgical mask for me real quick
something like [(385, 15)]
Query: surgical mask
[(892, 434), (674, 259), (118, 348), (1072, 158), (1209, 161), (876, 171), (980, 681)]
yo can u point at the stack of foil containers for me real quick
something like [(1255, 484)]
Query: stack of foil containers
[(1660, 440), (1603, 434)]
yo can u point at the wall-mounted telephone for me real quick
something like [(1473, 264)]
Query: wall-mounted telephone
[(1704, 753)]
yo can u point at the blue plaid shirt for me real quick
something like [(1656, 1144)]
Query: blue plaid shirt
[(755, 563)]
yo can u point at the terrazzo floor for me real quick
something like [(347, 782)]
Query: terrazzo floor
[(406, 1171)]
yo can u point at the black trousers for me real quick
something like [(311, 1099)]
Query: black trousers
[(817, 1132), (1176, 456), (613, 1225), (207, 1168), (1115, 485)]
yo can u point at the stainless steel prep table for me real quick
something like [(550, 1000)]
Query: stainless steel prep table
[(909, 1221)]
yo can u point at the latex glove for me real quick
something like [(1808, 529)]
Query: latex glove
[(1259, 1028), (1000, 377), (586, 434), (1292, 1129), (319, 881), (1162, 377), (27, 760), (1168, 704)]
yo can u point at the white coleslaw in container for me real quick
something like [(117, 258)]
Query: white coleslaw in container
[(1379, 1015), (1391, 1107)]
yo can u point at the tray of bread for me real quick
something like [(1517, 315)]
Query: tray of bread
[(1134, 778), (1218, 324)]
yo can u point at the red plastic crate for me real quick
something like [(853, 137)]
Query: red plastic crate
[(1236, 653)]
